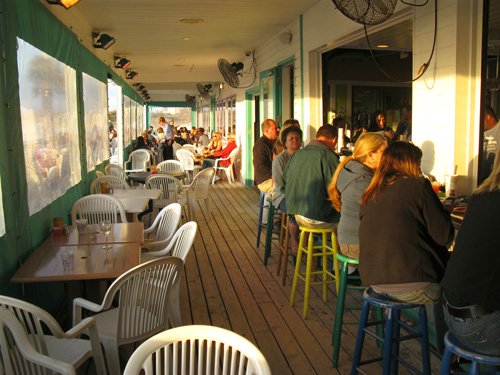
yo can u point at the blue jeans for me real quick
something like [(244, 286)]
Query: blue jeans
[(481, 334), (207, 163)]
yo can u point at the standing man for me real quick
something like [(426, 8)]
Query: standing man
[(169, 138), (307, 177), (263, 156)]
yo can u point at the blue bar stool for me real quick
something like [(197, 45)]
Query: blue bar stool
[(340, 307), (393, 324), (453, 346), (261, 210)]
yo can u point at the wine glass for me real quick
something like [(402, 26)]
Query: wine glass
[(105, 227)]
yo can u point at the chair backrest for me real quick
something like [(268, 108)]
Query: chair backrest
[(104, 183), (139, 160), (184, 239), (98, 207), (20, 352), (198, 349), (143, 296), (170, 165), (166, 222), (186, 158), (115, 170), (189, 147), (201, 183), (168, 185)]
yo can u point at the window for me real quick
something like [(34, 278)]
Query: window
[(225, 115), (47, 94), (96, 127), (180, 115)]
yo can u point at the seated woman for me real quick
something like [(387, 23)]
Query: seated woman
[(404, 229), (221, 154), (291, 140), (215, 144), (349, 182), (471, 283)]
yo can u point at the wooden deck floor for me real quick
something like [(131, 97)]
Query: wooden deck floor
[(226, 284)]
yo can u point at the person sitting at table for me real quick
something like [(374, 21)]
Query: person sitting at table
[(140, 144), (278, 146), (203, 139), (404, 229), (215, 144), (348, 184), (471, 283), (291, 139), (209, 160)]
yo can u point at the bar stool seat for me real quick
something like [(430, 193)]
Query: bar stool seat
[(312, 251), (391, 338), (453, 346), (344, 286)]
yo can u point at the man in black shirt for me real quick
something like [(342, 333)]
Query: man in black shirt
[(263, 156)]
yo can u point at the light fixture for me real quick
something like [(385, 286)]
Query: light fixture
[(192, 21), (130, 74), (121, 62), (65, 3), (382, 46), (103, 41)]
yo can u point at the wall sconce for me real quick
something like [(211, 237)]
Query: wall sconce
[(121, 62), (65, 3), (103, 41), (130, 74)]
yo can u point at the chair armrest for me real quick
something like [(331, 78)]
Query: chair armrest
[(90, 325), (78, 303), (163, 252)]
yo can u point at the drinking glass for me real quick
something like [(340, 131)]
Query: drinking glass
[(105, 227)]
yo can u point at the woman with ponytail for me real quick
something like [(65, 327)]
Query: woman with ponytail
[(349, 182)]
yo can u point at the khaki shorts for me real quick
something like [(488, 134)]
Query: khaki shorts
[(315, 224), (350, 250), (266, 186)]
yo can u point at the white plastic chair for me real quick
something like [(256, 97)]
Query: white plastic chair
[(190, 148), (226, 168), (186, 158), (169, 186), (170, 165), (199, 189), (179, 246), (98, 207), (115, 170), (197, 349), (41, 342), (105, 183), (138, 161), (146, 296), (163, 228)]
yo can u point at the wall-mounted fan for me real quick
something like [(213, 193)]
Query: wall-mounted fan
[(233, 72), (205, 90), (366, 12), (190, 99)]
